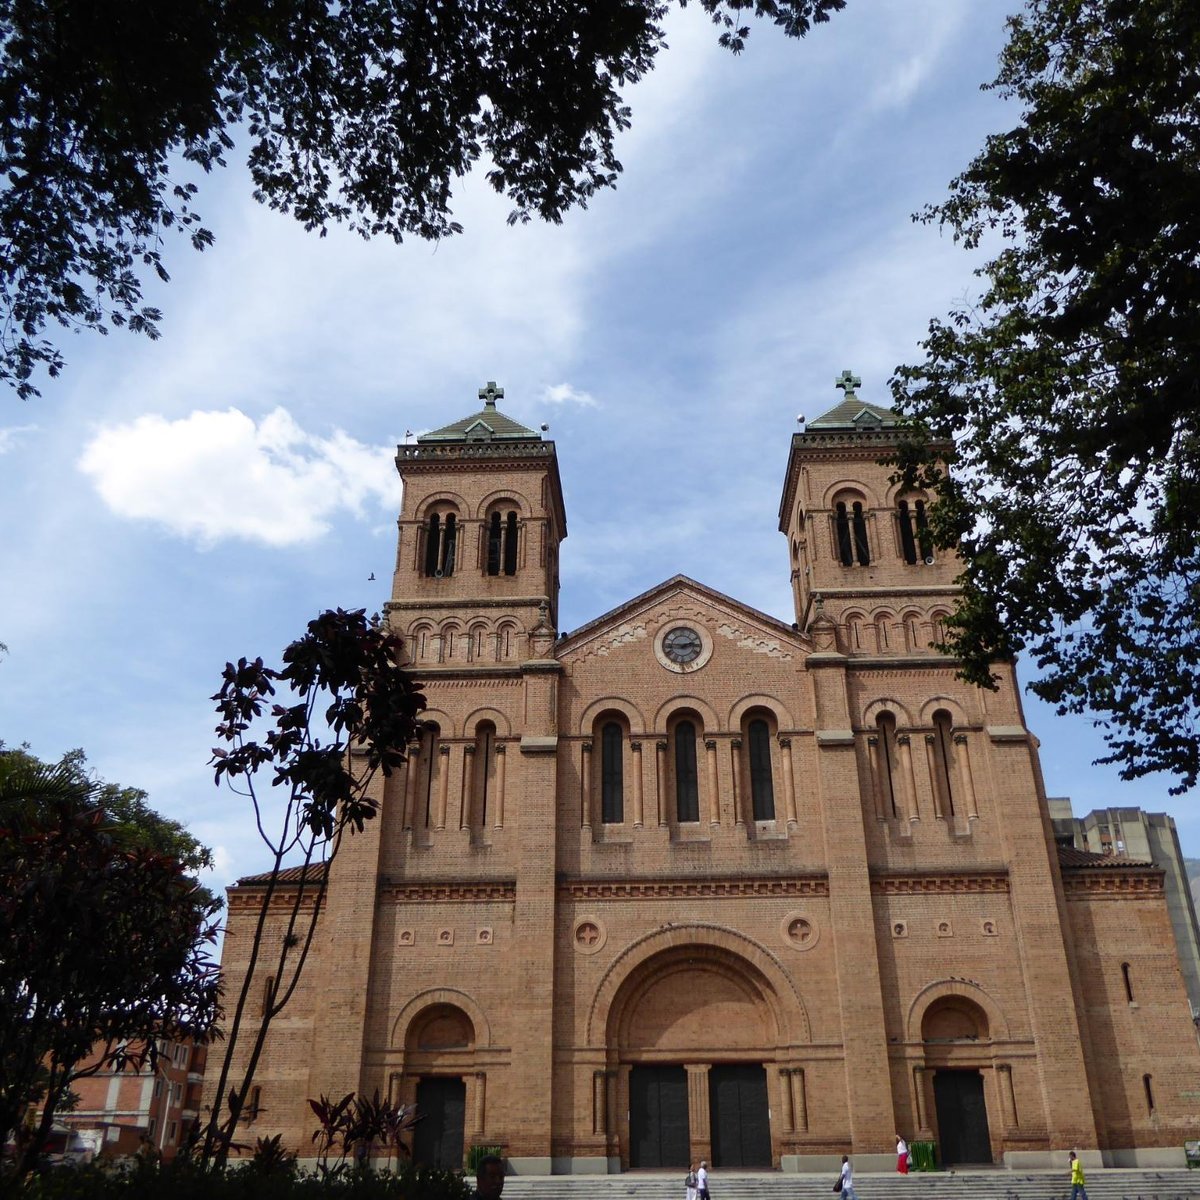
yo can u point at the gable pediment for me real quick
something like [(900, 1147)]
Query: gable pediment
[(723, 619)]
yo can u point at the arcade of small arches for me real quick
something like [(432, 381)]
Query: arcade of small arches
[(946, 759), (654, 1089), (454, 641), (860, 528), (884, 631), (492, 541), (692, 769)]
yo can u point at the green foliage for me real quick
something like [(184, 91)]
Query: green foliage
[(358, 1124), (104, 946), (1071, 387), (354, 715), (476, 1153), (364, 113), (183, 1180)]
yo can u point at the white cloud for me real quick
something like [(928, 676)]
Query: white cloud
[(214, 475), (564, 393), (10, 435)]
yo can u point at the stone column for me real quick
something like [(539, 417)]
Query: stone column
[(599, 1106), (636, 748), (411, 772), (922, 1106), (585, 787), (465, 815), (610, 1103), (785, 1096), (799, 1100), (789, 786), (714, 795), (443, 787), (741, 795), (501, 759), (1008, 1097), (699, 1131), (878, 791), (480, 1103), (660, 755), (965, 777), (904, 755), (931, 760)]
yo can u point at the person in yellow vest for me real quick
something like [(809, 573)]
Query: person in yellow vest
[(1077, 1188)]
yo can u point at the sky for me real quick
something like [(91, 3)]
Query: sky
[(172, 505)]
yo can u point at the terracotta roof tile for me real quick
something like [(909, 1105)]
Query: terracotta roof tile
[(1069, 856), (287, 875)]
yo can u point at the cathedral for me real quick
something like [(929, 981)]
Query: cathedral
[(693, 882)]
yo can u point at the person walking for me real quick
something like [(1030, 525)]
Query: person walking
[(690, 1183), (847, 1180), (1077, 1188), (901, 1154), (702, 1181)]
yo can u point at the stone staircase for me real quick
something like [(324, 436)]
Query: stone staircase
[(981, 1184)]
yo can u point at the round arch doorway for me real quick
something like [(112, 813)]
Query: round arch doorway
[(691, 1032)]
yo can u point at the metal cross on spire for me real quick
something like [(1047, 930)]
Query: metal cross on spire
[(846, 381), (490, 394)]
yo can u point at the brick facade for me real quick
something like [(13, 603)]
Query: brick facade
[(782, 887)]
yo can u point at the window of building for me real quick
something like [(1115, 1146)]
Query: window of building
[(886, 725), (687, 789), (845, 547), (429, 761), (254, 1107), (862, 550), (1148, 1085), (157, 1088), (612, 781), (268, 996), (762, 790), (485, 772), (916, 544), (502, 543), (441, 542), (171, 1129), (152, 1127), (1125, 976), (943, 761)]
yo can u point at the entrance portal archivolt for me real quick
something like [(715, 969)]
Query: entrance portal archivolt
[(683, 1015)]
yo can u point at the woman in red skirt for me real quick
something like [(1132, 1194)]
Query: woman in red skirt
[(901, 1155)]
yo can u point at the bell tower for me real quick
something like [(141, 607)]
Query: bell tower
[(857, 542), (476, 578)]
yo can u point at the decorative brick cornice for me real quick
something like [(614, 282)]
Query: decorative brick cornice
[(658, 889), (993, 879), (421, 893), (1111, 885)]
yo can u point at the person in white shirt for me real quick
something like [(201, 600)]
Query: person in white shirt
[(702, 1180), (901, 1154), (848, 1192)]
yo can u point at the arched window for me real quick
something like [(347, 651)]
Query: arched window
[(1128, 982), (908, 543), (485, 772), (502, 543), (862, 551), (429, 761), (845, 547), (1148, 1084), (687, 788), (943, 761), (441, 541), (886, 725), (916, 545), (762, 790), (612, 778), (924, 541)]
